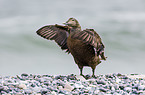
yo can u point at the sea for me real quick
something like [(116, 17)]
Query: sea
[(120, 23)]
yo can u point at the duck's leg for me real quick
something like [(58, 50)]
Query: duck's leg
[(81, 70), (93, 71)]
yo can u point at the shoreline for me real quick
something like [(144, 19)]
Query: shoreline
[(116, 84)]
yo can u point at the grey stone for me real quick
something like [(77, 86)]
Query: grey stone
[(71, 84), (101, 82), (22, 86), (103, 89), (37, 89), (24, 74), (68, 87), (141, 87), (128, 89), (1, 88), (28, 91), (43, 91), (81, 78)]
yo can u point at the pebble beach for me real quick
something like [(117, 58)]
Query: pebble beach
[(110, 84)]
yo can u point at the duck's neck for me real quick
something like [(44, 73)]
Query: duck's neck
[(78, 28)]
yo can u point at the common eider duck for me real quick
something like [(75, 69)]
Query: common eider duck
[(85, 45)]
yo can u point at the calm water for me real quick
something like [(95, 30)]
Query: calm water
[(120, 23)]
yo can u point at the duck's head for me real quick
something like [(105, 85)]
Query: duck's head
[(72, 22)]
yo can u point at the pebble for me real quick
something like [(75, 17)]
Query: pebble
[(101, 82), (53, 93), (68, 87), (1, 88), (22, 86), (44, 91), (110, 84), (37, 89), (141, 87), (112, 88), (28, 91), (81, 78), (24, 74), (77, 85), (128, 89)]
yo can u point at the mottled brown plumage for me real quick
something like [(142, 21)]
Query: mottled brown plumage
[(85, 46)]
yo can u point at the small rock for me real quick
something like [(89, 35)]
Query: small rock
[(38, 94), (33, 85), (121, 87), (61, 92), (141, 92), (91, 80), (125, 77), (92, 85), (28, 91), (50, 88), (24, 74), (8, 94), (60, 83), (87, 76), (101, 93), (128, 89), (76, 85), (103, 89), (86, 91), (46, 83), (134, 91), (141, 87), (60, 87), (23, 82), (1, 88), (53, 93), (112, 88), (60, 77), (37, 89), (22, 86), (96, 92), (71, 77), (121, 92), (109, 76), (43, 91), (119, 74), (81, 78), (3, 93), (101, 82), (115, 93), (74, 93), (68, 87), (116, 87), (118, 80), (38, 76)]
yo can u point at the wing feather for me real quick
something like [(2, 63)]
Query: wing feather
[(89, 36), (55, 32)]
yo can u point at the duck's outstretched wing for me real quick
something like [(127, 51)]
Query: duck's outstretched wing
[(89, 36), (55, 32)]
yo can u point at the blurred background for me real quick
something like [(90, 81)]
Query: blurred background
[(120, 23)]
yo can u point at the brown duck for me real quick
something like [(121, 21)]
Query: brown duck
[(85, 46)]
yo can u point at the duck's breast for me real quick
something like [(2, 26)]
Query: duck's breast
[(81, 51)]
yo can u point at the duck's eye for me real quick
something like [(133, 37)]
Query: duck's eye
[(73, 20)]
